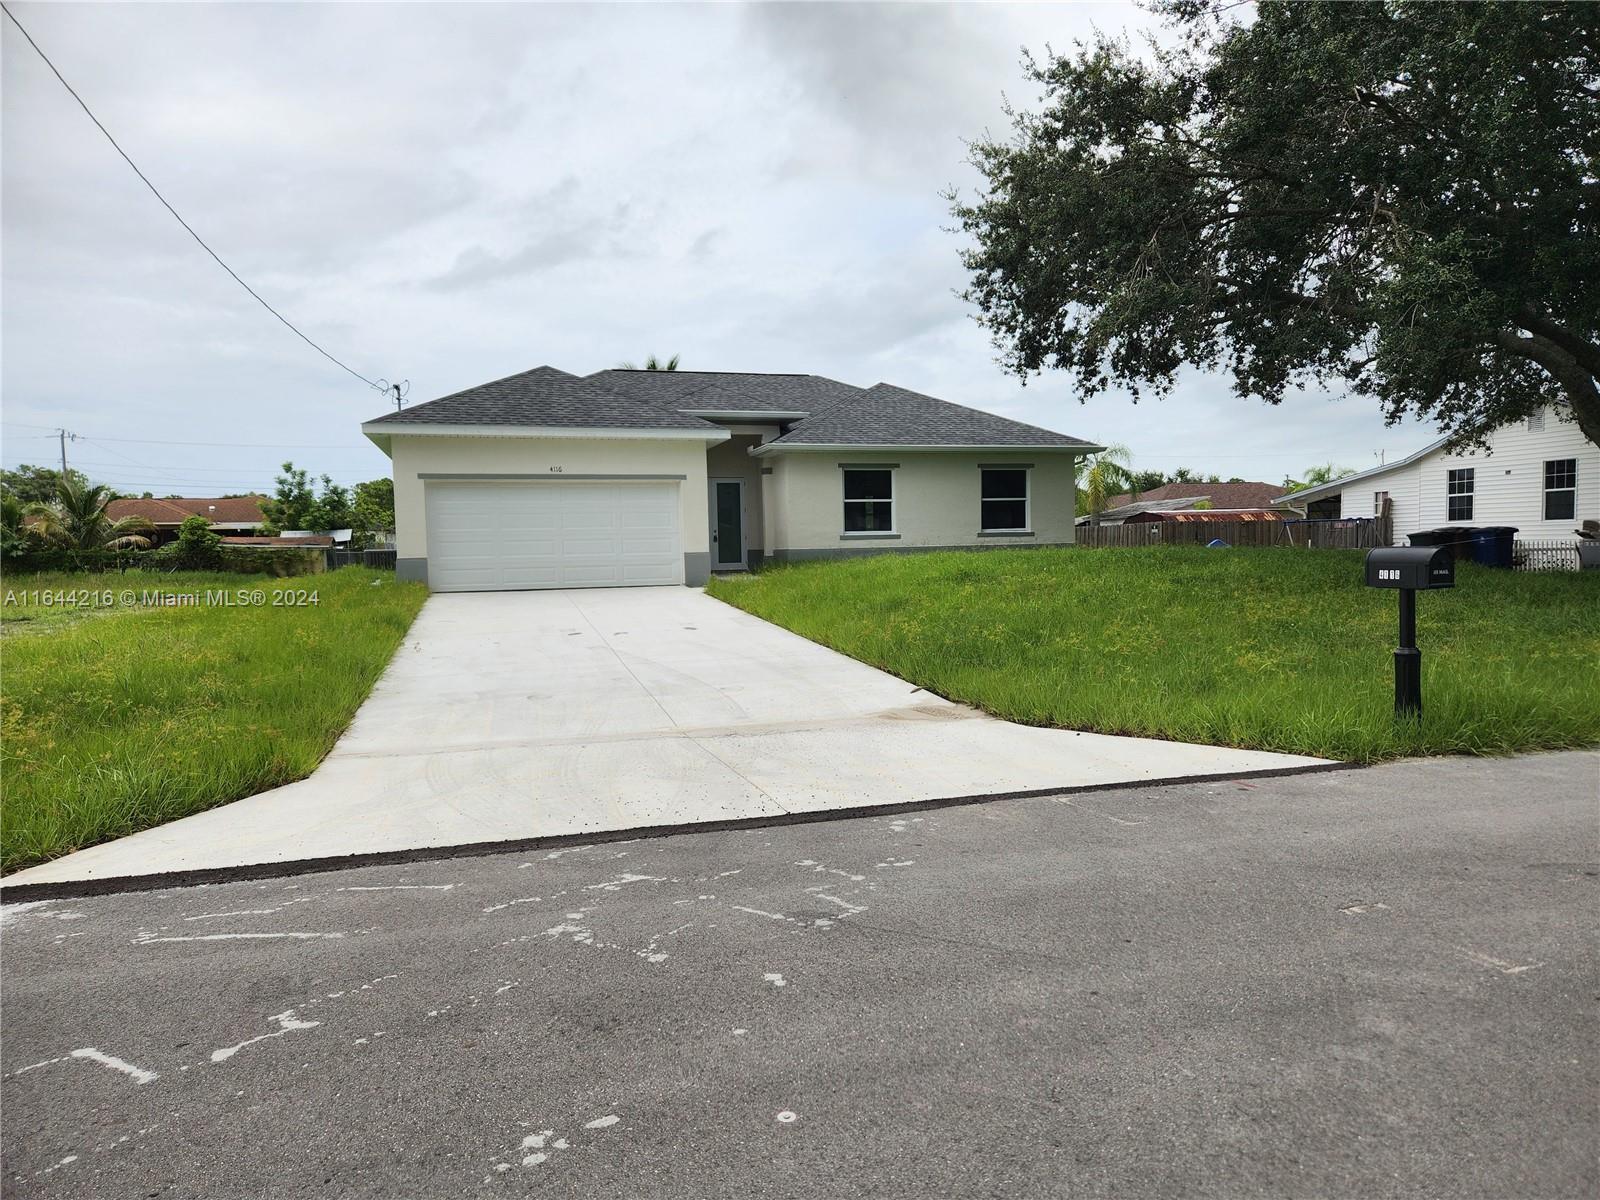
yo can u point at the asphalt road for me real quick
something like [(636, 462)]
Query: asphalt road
[(1371, 983)]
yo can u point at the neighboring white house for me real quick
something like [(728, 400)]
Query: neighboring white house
[(546, 480), (1540, 476)]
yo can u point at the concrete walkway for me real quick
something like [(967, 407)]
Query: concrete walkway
[(527, 714)]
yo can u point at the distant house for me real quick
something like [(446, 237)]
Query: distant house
[(1228, 501), (1540, 476), (227, 515)]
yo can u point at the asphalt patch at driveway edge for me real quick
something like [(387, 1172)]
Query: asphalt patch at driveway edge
[(79, 889)]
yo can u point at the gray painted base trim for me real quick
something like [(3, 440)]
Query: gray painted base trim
[(696, 569), (869, 537), (1010, 533), (783, 556)]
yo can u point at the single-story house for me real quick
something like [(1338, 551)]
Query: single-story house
[(1540, 476), (1204, 515), (1243, 494), (1185, 497), (546, 479), (226, 514), (331, 537)]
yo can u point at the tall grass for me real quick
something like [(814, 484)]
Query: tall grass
[(1264, 649), (115, 721)]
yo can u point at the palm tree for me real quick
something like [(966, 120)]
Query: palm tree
[(77, 520), (1316, 476), (652, 364), (1110, 473), (15, 536)]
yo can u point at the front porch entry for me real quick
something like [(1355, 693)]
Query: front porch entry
[(729, 551)]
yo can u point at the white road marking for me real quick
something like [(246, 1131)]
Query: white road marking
[(287, 1023), (138, 1074), (602, 1122), (775, 979), (1498, 964), (144, 940), (399, 887)]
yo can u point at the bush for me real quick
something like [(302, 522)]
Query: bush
[(278, 561), (199, 546), (62, 558)]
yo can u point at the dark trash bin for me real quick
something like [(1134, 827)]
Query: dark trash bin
[(1492, 545), (1458, 538)]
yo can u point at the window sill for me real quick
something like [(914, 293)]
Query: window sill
[(1017, 533), (869, 536)]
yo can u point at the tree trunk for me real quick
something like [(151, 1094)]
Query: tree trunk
[(1568, 369), (1585, 399)]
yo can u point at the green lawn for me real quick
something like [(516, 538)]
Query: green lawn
[(1265, 649), (121, 716)]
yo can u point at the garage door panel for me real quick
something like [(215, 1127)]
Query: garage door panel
[(485, 537)]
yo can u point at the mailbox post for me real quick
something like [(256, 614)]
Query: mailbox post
[(1408, 570)]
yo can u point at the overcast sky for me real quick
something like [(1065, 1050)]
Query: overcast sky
[(452, 194)]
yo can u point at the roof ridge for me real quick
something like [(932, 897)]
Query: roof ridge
[(983, 412), (646, 371)]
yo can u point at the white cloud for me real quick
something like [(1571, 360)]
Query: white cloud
[(453, 194)]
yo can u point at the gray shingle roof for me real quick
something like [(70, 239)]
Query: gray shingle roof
[(885, 415), (728, 391), (543, 396), (839, 414)]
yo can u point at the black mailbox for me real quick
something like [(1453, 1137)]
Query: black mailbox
[(1411, 567)]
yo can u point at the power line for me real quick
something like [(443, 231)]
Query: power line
[(381, 387), (245, 445)]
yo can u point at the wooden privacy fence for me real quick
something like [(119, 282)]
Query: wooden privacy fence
[(1316, 535)]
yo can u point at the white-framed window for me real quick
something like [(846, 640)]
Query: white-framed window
[(1458, 494), (1379, 499), (868, 500), (1003, 500), (1560, 489)]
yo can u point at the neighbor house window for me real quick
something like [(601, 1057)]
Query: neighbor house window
[(1003, 503), (868, 500), (1379, 499), (1560, 489), (1458, 495)]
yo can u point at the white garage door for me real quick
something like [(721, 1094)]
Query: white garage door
[(514, 536)]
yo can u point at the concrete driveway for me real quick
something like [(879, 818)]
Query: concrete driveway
[(517, 715)]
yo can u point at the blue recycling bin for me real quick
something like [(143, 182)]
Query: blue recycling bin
[(1492, 545)]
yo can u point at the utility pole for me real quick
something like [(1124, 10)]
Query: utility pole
[(64, 436)]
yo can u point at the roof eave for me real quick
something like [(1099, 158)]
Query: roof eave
[(965, 447), (380, 433), (751, 415), (1295, 499)]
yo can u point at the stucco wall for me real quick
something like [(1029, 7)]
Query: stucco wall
[(731, 460), (541, 459), (936, 499)]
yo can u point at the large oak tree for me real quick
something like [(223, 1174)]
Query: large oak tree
[(1397, 199)]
